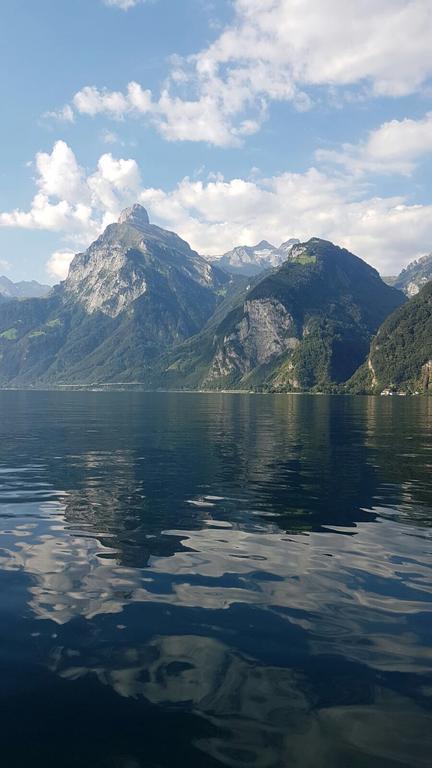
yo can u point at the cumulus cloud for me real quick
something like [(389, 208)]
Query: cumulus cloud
[(394, 147), (214, 216), (217, 214), (279, 50), (58, 264), (69, 201)]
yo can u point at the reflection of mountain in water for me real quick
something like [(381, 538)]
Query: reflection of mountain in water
[(259, 563)]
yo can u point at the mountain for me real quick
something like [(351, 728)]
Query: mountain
[(252, 260), (22, 290), (305, 326), (136, 291), (400, 358), (414, 276)]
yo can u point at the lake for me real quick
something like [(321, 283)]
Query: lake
[(207, 580)]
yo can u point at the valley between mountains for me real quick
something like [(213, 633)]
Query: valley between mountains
[(140, 307)]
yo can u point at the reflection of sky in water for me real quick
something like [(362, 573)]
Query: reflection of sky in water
[(228, 573), (356, 591)]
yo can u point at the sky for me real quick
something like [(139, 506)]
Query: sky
[(231, 121)]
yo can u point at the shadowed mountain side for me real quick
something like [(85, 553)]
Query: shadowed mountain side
[(305, 326), (400, 358)]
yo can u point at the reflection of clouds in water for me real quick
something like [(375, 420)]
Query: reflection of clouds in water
[(342, 590), (265, 716), (67, 577)]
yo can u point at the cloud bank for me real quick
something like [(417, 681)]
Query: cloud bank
[(215, 214)]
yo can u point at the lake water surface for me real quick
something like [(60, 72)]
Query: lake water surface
[(205, 580)]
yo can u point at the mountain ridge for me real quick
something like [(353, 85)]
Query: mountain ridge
[(139, 305), (253, 260), (23, 289), (306, 325)]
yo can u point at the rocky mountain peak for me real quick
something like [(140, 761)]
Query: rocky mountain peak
[(263, 244), (136, 216), (286, 246)]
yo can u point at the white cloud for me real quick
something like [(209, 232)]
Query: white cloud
[(58, 264), (76, 205), (218, 214), (176, 119), (124, 5), (277, 50), (64, 114), (114, 184), (393, 148), (213, 217), (60, 175)]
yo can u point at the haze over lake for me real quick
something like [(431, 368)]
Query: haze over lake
[(215, 580)]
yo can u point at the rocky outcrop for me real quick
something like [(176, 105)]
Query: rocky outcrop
[(106, 279), (136, 216), (415, 276), (265, 331), (426, 376)]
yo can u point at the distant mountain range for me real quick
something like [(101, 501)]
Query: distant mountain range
[(140, 307), (412, 279), (21, 290), (252, 260)]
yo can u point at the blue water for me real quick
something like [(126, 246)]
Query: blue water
[(207, 580)]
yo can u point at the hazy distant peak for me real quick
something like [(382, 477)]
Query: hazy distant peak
[(250, 260), (263, 244), (286, 246), (24, 289), (136, 215)]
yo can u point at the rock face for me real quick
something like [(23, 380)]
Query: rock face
[(415, 276), (400, 358), (304, 326), (22, 290), (265, 331), (136, 216), (136, 291), (252, 260)]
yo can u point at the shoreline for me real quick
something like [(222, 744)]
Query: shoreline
[(139, 389)]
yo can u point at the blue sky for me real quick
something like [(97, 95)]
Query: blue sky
[(231, 121)]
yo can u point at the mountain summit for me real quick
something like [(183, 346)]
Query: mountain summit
[(136, 216), (304, 326), (136, 291), (133, 259)]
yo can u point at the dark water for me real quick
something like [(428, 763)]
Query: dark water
[(215, 580)]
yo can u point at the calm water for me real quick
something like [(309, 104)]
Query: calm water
[(215, 580)]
